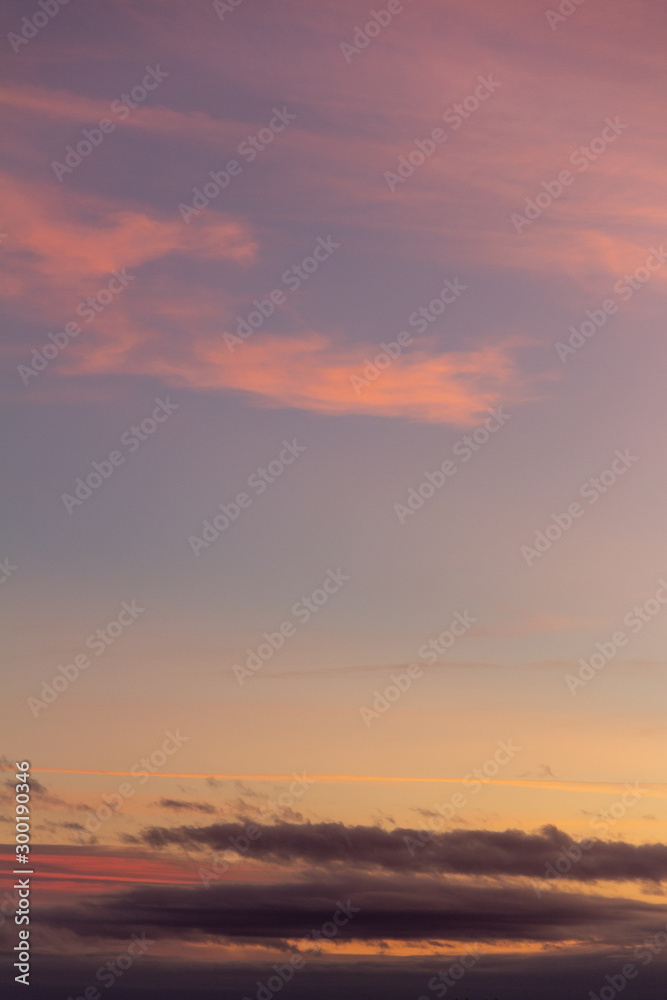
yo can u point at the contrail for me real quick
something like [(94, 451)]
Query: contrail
[(653, 789)]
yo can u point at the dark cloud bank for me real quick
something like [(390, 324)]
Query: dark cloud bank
[(464, 852), (386, 907), (397, 896)]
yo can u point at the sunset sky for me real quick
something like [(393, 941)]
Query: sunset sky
[(334, 495)]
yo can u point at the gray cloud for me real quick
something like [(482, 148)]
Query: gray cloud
[(390, 908), (181, 805), (463, 852)]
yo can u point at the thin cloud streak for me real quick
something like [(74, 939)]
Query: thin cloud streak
[(654, 789)]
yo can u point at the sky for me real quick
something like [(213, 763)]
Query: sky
[(332, 570)]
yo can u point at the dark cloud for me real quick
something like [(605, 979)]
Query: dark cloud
[(39, 790), (463, 852), (390, 908), (249, 792), (184, 806)]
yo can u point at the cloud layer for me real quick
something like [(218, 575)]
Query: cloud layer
[(461, 852)]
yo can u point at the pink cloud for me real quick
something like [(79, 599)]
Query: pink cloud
[(314, 372), (59, 248)]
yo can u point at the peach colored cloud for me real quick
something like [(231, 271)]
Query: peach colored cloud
[(59, 248), (456, 208), (459, 203), (556, 97), (63, 250), (314, 372)]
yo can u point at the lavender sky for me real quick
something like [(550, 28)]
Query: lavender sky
[(333, 370)]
